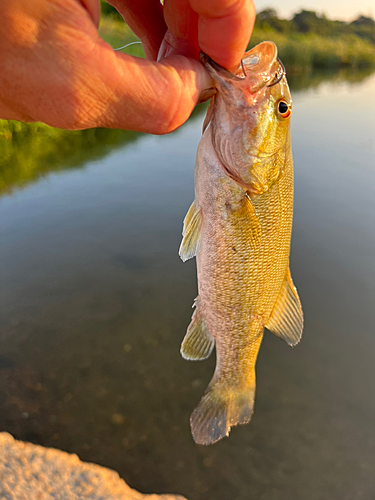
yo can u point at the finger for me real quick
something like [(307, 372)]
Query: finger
[(182, 35), (70, 78), (181, 19), (137, 94), (93, 8), (145, 18), (94, 86), (224, 29)]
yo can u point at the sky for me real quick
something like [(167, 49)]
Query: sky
[(334, 9)]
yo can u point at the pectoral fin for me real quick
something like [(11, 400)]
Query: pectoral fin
[(209, 114), (286, 320), (244, 217), (197, 343), (191, 233), (256, 231)]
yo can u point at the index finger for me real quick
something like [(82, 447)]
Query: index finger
[(224, 29)]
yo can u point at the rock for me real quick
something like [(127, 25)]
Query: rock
[(117, 419), (30, 472)]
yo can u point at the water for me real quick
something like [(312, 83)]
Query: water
[(95, 302)]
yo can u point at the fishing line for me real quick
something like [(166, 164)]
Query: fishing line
[(243, 68), (127, 45)]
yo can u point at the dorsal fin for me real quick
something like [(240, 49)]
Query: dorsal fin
[(197, 343), (286, 320)]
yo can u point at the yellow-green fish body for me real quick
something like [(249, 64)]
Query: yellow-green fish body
[(239, 227)]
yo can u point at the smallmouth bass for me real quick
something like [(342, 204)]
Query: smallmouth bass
[(239, 228)]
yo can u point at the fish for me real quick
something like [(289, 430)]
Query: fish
[(239, 229)]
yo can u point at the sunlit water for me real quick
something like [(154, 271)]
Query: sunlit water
[(95, 302)]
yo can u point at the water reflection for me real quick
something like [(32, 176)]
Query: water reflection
[(27, 155), (95, 302), (304, 81)]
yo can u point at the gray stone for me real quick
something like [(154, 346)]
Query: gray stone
[(30, 472)]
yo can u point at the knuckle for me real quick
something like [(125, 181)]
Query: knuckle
[(171, 112)]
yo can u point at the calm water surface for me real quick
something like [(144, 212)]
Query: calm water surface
[(95, 302)]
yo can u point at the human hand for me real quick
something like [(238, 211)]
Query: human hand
[(55, 68)]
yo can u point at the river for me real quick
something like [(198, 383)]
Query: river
[(94, 302)]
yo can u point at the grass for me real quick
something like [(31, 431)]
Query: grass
[(299, 52), (117, 34)]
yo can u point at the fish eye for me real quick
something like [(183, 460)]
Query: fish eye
[(283, 108)]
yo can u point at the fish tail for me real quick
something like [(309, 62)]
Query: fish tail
[(221, 408)]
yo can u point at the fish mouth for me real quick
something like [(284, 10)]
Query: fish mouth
[(212, 66), (260, 67)]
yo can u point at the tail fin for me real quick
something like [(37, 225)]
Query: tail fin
[(220, 409)]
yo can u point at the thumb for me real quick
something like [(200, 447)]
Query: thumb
[(55, 68), (137, 94)]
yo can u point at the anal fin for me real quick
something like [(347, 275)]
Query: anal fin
[(190, 233), (286, 320), (197, 343)]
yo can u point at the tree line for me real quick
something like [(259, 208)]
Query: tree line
[(309, 22)]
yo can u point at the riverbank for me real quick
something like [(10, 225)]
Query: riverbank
[(38, 473), (310, 41), (333, 48), (310, 52)]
